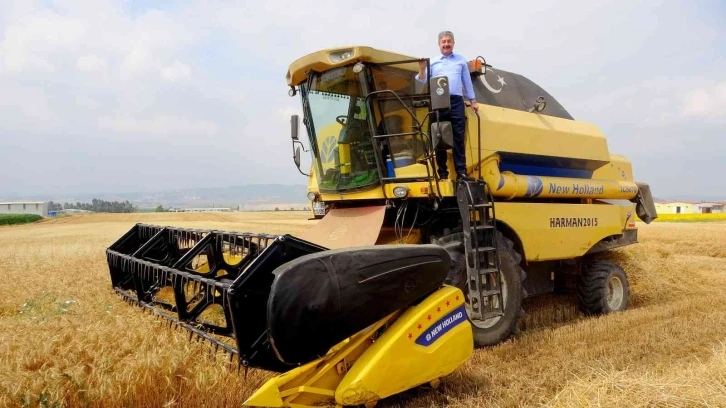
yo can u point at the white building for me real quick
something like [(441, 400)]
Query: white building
[(27, 207), (710, 208), (203, 209), (675, 207)]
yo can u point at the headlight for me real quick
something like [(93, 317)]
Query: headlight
[(400, 191), (341, 55), (312, 196)]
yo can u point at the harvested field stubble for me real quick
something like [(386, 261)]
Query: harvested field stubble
[(66, 338)]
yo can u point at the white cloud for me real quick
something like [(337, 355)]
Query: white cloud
[(91, 63), (159, 126), (706, 102), (176, 71)]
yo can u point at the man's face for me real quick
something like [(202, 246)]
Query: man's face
[(446, 45)]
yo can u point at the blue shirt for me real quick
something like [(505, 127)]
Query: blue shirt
[(456, 69)]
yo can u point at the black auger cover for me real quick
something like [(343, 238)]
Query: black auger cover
[(320, 299)]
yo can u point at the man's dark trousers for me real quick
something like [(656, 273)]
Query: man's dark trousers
[(457, 117)]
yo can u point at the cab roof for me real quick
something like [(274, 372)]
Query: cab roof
[(324, 60)]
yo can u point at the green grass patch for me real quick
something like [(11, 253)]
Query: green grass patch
[(11, 219)]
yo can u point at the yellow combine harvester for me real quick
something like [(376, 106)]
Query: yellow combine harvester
[(405, 272)]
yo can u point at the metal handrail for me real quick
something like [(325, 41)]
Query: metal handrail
[(429, 144)]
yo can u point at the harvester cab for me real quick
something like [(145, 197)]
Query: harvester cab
[(365, 121), (405, 272)]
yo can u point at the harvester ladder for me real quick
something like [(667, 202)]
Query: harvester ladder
[(476, 205)]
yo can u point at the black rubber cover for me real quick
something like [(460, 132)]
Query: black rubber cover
[(320, 299)]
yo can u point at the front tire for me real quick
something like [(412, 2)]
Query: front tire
[(498, 329), (603, 288)]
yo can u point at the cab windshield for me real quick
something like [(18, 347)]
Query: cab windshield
[(337, 124)]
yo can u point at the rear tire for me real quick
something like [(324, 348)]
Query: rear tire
[(603, 288), (496, 330)]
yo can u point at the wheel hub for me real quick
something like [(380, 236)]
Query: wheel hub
[(615, 293)]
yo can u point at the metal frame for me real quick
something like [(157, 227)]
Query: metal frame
[(428, 144), (149, 258)]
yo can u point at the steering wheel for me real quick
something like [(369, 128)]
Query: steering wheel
[(342, 119)]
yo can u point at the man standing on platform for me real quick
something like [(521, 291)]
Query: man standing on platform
[(456, 69)]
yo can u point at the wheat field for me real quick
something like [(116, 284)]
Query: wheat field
[(67, 340)]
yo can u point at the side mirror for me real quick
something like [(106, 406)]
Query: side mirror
[(297, 157), (294, 125), (294, 121)]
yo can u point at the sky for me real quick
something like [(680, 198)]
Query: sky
[(133, 96)]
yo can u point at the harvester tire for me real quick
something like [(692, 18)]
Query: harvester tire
[(499, 329), (603, 288)]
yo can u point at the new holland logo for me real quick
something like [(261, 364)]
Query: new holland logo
[(441, 327), (327, 150)]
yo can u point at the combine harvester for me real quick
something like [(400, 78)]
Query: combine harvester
[(405, 273)]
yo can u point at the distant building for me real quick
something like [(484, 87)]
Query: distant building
[(25, 207), (204, 209), (688, 207), (677, 207), (710, 208)]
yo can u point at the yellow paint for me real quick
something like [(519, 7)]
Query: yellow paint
[(366, 367), (515, 131), (320, 61), (344, 151), (302, 386), (619, 168), (548, 231), (395, 362), (444, 187)]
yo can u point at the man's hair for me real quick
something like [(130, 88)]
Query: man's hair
[(446, 33)]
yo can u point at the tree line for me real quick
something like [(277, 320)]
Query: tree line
[(95, 205)]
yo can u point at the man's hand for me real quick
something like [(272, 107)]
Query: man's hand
[(421, 69), (475, 106)]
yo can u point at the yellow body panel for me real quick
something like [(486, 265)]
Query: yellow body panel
[(421, 344), (619, 168), (315, 382), (563, 231), (427, 342), (514, 131), (420, 189), (324, 60)]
